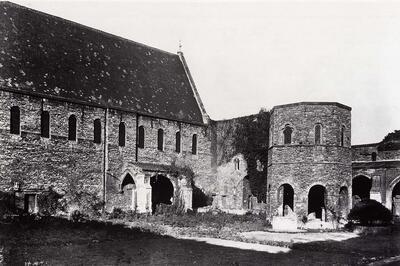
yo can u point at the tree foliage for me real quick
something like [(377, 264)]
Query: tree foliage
[(390, 142)]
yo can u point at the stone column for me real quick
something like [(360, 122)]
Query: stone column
[(143, 191), (186, 194)]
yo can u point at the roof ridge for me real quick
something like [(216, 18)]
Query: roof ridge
[(86, 26)]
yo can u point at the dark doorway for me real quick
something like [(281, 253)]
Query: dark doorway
[(286, 197), (361, 187), (316, 200), (30, 203), (162, 191)]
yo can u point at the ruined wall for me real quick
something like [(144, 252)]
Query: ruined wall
[(228, 192), (384, 176), (364, 152), (304, 163), (240, 155)]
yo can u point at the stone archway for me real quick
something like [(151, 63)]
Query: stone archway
[(162, 191), (396, 199), (285, 198), (134, 178), (128, 190), (317, 201), (361, 188)]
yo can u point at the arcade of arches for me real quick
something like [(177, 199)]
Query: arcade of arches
[(143, 192)]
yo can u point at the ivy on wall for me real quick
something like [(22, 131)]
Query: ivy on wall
[(250, 138)]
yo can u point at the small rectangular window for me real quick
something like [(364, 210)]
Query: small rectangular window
[(178, 142), (194, 144), (45, 124), (97, 131), (121, 134), (15, 121), (141, 137), (72, 127), (160, 140)]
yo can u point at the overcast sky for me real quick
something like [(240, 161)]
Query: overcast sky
[(244, 56)]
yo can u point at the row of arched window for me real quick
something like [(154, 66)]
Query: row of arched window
[(15, 122), (160, 140), (288, 130)]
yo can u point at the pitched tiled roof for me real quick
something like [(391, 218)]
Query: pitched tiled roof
[(48, 56)]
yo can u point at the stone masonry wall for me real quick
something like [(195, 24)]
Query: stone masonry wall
[(38, 163), (303, 164)]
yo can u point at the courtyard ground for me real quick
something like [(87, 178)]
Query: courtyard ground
[(56, 241)]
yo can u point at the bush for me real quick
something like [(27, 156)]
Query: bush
[(369, 212), (49, 203), (77, 216), (169, 209), (117, 213), (6, 203)]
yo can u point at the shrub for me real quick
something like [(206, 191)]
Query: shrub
[(169, 209), (77, 216), (368, 212), (117, 213), (49, 203), (6, 203)]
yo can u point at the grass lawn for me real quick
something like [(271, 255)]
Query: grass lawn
[(57, 241)]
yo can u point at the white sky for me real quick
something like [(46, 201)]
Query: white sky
[(244, 56)]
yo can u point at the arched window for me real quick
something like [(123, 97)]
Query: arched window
[(121, 134), (237, 163), (317, 134), (72, 127), (141, 137), (97, 131), (373, 156), (160, 140), (342, 136), (178, 142), (15, 120), (194, 144), (287, 135), (45, 124)]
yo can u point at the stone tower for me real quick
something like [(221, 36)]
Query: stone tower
[(310, 159)]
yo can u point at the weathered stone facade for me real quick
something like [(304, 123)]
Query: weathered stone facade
[(150, 118), (36, 163), (380, 169), (301, 162)]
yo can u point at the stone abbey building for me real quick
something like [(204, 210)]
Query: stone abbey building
[(80, 107)]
